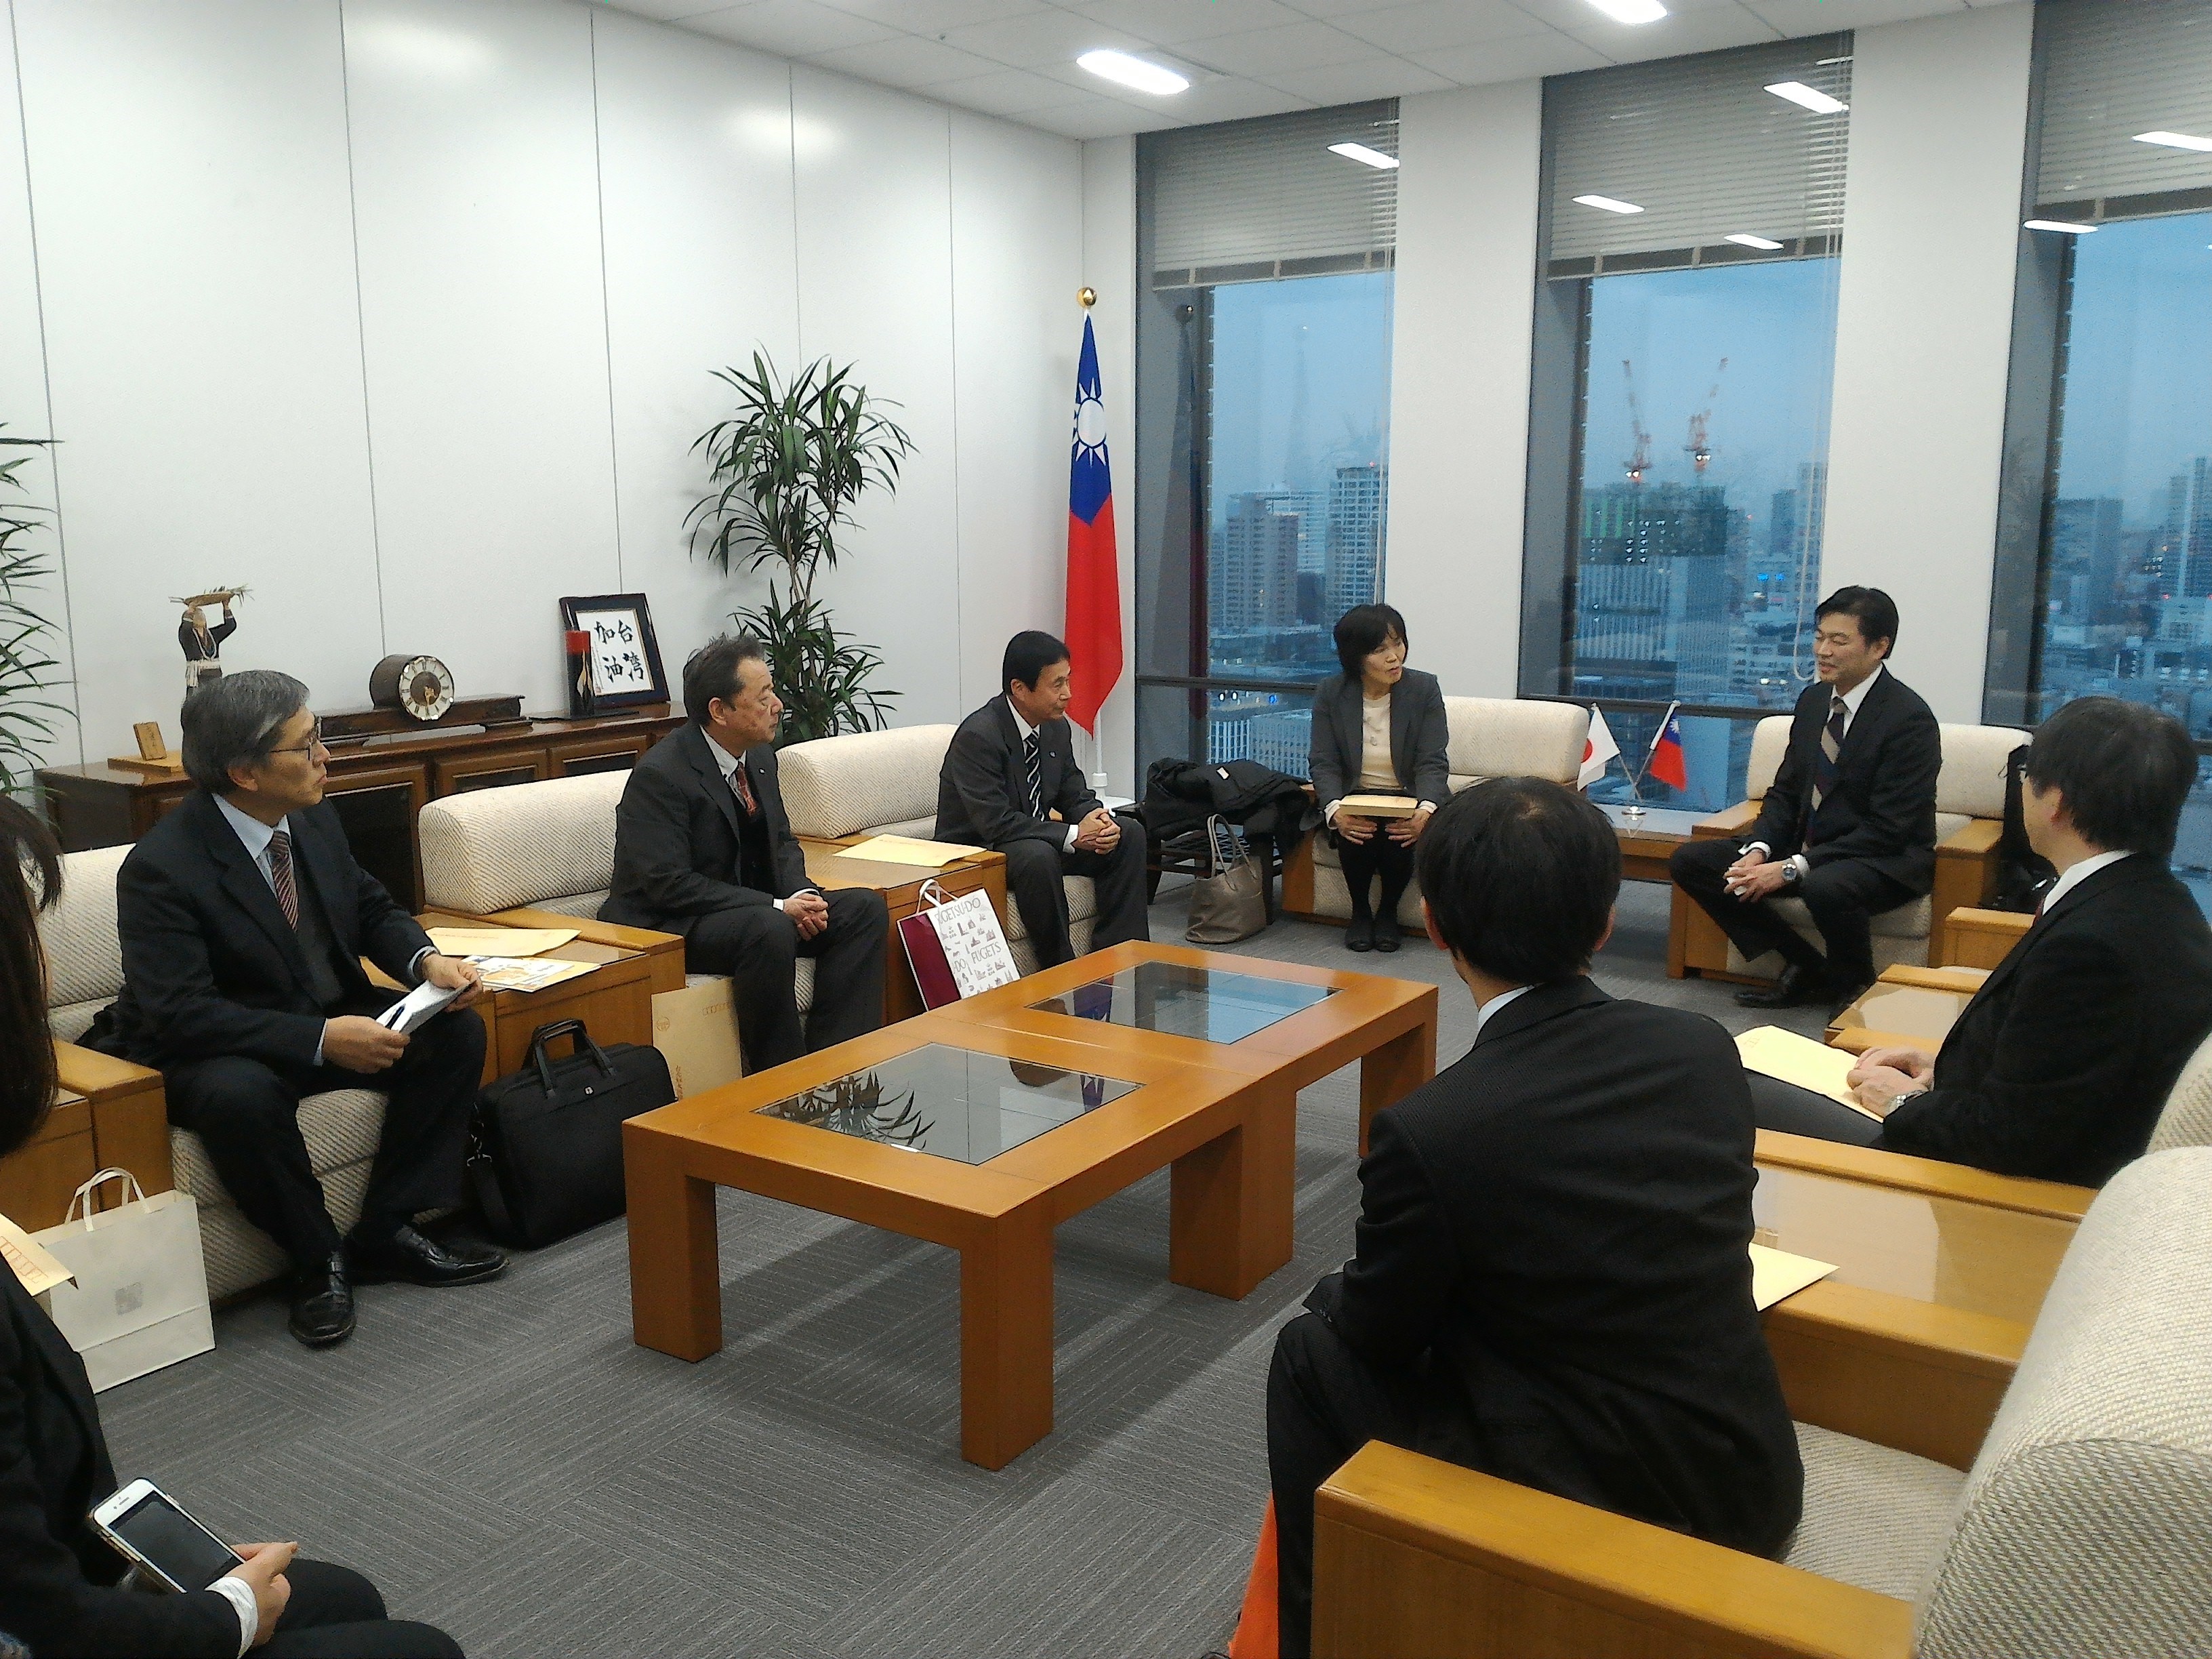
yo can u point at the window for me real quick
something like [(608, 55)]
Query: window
[(1263, 410), (2104, 578), (1678, 453)]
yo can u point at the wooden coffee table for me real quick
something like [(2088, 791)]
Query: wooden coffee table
[(828, 866), (921, 1155), (1280, 1019)]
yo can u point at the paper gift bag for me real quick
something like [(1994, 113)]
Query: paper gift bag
[(141, 1297), (696, 1030), (955, 946)]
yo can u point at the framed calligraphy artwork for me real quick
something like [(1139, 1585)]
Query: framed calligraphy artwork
[(625, 655)]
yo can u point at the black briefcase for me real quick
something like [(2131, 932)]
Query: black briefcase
[(545, 1154)]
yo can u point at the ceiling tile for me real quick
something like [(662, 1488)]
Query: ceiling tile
[(904, 61), (1166, 22), (1333, 9), (1548, 53), (930, 17), (671, 11), (1098, 118), (1005, 92), (1797, 17), (1434, 25), (1578, 14), (790, 28), (1232, 100), (1266, 53), (1353, 84), (1038, 37), (1676, 35)]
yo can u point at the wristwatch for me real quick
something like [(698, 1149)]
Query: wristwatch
[(1790, 873)]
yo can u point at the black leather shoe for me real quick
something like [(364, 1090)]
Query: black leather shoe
[(322, 1304), (1798, 988), (408, 1255), (1359, 934), (1386, 933)]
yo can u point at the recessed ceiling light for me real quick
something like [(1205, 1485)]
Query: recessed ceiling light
[(1810, 98), (1122, 67), (1767, 243), (1374, 158), (1631, 11), (2174, 140), (2061, 225), (1608, 204)]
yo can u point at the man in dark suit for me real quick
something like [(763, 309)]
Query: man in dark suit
[(703, 848), (1010, 783), (244, 918), (2059, 1067), (1553, 1280), (1849, 826)]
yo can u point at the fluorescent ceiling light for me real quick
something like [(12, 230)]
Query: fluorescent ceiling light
[(1121, 67), (1767, 243), (2061, 225), (1806, 97), (1374, 158), (1608, 204), (2174, 140), (1631, 11)]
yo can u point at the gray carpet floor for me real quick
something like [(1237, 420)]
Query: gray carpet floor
[(505, 1462)]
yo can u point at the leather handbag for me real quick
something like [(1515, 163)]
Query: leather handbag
[(1230, 902), (545, 1147)]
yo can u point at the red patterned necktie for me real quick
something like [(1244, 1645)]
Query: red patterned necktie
[(743, 785), (280, 872)]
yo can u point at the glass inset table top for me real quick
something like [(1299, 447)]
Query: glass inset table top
[(950, 1102), (1190, 1002)]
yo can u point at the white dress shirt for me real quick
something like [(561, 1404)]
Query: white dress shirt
[(240, 1594), (1852, 699), (729, 763), (1483, 1011), (255, 836), (2074, 876), (1027, 731)]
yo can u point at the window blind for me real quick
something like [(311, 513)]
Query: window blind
[(1705, 151), (1252, 201), (2111, 71)]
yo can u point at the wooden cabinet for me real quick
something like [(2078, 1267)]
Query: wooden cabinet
[(109, 1114)]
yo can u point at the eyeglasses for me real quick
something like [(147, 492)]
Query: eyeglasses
[(314, 742)]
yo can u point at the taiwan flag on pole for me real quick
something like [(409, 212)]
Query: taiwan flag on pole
[(1094, 574), (1667, 763)]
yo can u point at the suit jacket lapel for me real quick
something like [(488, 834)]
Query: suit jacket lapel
[(243, 880), (718, 787), (2112, 875), (327, 878), (55, 1354), (1351, 738), (1872, 708), (1401, 734)]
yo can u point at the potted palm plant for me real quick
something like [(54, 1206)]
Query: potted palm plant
[(787, 466), (27, 673)]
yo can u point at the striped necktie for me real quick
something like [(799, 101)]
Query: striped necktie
[(1031, 762), (1832, 744), (743, 786), (280, 875)]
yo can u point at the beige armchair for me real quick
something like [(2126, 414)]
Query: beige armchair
[(2084, 1526)]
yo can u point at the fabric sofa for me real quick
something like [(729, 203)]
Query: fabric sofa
[(1970, 800), (1489, 738), (84, 960)]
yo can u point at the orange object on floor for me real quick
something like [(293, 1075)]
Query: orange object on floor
[(1257, 1636)]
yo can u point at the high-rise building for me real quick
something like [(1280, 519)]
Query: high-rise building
[(1257, 573), (2085, 559), (1356, 534), (1652, 581), (2180, 564)]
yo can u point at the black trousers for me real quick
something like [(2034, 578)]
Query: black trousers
[(1034, 869), (1363, 861), (247, 1113), (1795, 1111), (336, 1613), (1844, 897), (758, 947), (1324, 1403)]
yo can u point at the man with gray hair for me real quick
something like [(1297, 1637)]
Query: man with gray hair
[(243, 917)]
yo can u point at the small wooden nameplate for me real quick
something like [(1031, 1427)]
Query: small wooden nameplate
[(152, 756)]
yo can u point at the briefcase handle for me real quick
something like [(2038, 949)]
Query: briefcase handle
[(564, 1028)]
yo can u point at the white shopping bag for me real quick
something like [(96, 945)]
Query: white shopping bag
[(141, 1297)]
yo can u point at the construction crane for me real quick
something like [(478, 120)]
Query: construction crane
[(1639, 463), (1699, 451)]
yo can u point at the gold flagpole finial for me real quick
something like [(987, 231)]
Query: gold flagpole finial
[(1086, 297)]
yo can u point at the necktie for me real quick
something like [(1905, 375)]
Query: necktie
[(1030, 761), (280, 871), (1831, 743), (743, 787)]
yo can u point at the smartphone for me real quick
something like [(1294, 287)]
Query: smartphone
[(172, 1548)]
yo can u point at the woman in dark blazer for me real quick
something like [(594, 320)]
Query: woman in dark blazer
[(1379, 729), (60, 1583)]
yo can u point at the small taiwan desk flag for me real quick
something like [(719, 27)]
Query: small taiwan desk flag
[(1667, 763), (1094, 576)]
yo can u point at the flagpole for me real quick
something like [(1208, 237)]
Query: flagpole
[(1643, 771)]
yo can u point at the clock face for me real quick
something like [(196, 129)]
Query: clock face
[(426, 688)]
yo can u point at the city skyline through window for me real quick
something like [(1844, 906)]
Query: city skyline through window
[(1703, 478), (1298, 471), (2127, 574)]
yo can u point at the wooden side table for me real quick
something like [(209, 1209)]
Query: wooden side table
[(901, 884), (109, 1114), (614, 1000)]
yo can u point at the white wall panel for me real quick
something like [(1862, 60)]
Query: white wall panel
[(875, 281), (483, 325), (1459, 378), (1017, 261), (188, 167), (695, 187), (1109, 265), (1924, 324)]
